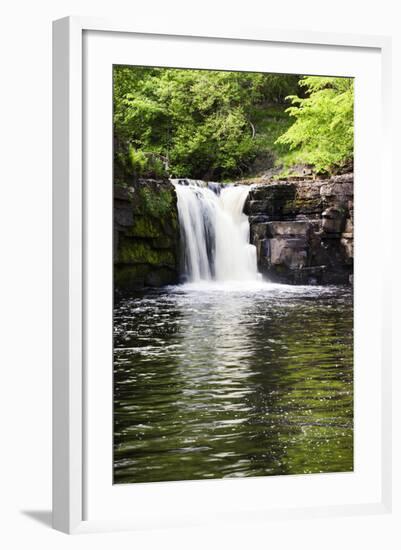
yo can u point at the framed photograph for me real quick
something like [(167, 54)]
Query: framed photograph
[(220, 325)]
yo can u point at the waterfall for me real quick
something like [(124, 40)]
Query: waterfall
[(215, 232)]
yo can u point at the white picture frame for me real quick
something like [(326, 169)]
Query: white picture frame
[(71, 257)]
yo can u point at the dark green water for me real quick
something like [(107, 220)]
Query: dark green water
[(211, 382)]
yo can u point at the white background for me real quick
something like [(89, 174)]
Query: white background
[(25, 270)]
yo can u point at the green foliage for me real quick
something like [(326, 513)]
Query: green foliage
[(221, 125), (137, 159), (156, 204), (190, 122), (132, 251), (144, 227), (323, 132)]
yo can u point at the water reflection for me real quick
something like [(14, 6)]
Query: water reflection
[(214, 381)]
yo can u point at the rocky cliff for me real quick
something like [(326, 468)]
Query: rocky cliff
[(303, 230), (146, 235)]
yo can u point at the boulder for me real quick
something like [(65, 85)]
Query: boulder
[(303, 230)]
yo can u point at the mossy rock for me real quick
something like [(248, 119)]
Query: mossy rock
[(156, 203), (277, 192), (147, 242), (130, 277), (161, 277), (134, 251), (171, 225), (302, 206), (162, 242), (144, 227)]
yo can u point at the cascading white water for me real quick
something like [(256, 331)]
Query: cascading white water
[(215, 232)]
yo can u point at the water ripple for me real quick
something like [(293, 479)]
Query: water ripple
[(213, 381)]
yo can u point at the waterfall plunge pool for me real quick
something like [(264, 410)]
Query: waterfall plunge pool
[(218, 379)]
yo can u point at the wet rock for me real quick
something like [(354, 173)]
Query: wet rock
[(161, 277), (303, 230), (260, 207), (349, 228), (288, 252), (258, 231), (338, 191), (275, 192), (146, 235), (288, 228), (261, 218), (333, 220), (348, 245), (272, 200)]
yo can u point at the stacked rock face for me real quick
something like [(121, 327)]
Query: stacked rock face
[(146, 235), (303, 230)]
